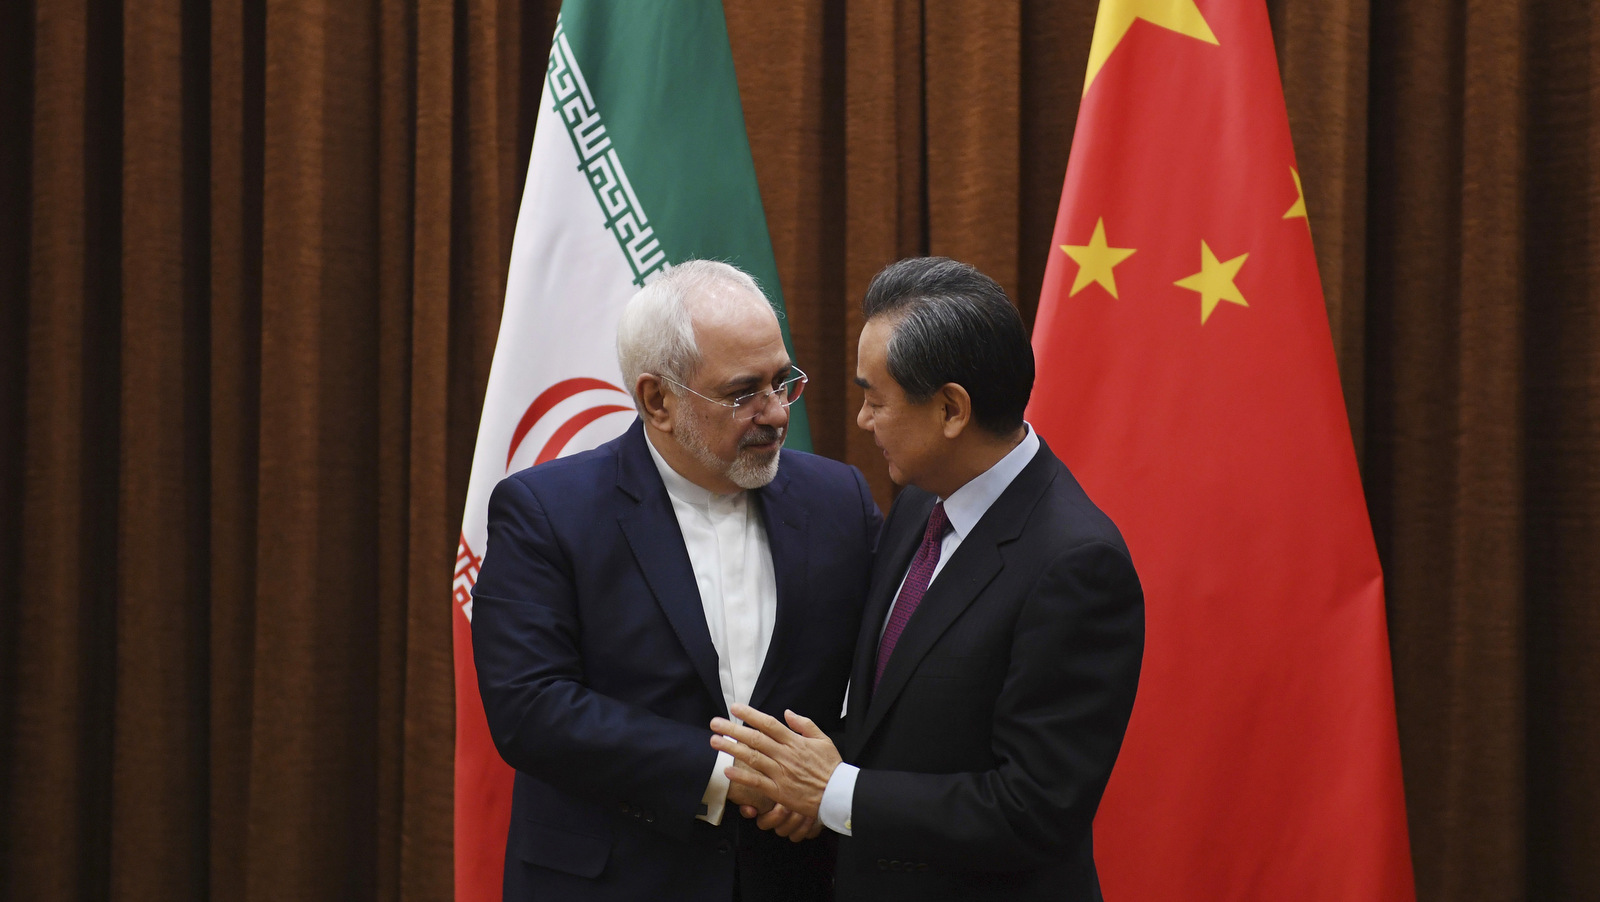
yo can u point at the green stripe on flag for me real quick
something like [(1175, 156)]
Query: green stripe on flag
[(662, 79)]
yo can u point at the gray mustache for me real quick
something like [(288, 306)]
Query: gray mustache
[(761, 435)]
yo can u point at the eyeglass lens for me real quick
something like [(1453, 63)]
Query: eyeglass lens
[(755, 402)]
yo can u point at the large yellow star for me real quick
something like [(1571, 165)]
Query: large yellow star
[(1299, 208), (1117, 16), (1214, 281), (1096, 261)]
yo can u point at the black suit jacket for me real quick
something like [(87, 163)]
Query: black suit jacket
[(986, 747), (599, 678)]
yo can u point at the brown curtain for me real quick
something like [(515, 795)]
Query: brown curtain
[(251, 262)]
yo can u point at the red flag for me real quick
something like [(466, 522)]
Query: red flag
[(1187, 376)]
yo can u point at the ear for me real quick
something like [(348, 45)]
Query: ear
[(653, 397), (955, 408)]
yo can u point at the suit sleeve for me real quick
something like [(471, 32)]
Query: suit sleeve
[(544, 720), (1058, 725)]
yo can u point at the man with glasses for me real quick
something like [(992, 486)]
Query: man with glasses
[(631, 593)]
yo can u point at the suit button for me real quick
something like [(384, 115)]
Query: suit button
[(883, 864), (625, 808), (724, 846), (649, 818)]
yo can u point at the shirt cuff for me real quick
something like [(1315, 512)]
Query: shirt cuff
[(716, 796), (838, 798)]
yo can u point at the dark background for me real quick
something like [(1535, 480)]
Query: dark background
[(252, 257)]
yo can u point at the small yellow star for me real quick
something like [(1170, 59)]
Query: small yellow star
[(1095, 261), (1117, 16), (1299, 208), (1214, 281)]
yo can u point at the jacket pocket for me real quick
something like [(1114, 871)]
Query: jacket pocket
[(578, 854)]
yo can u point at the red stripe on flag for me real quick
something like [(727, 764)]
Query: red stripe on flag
[(482, 783), (548, 399), (552, 448)]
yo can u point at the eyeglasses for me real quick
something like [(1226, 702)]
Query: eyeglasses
[(750, 406)]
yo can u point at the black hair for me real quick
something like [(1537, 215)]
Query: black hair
[(952, 323)]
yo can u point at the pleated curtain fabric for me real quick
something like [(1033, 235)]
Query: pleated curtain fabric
[(252, 257)]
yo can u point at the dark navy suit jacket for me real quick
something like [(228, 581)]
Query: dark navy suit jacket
[(599, 677)]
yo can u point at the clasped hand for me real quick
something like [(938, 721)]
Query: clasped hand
[(789, 765)]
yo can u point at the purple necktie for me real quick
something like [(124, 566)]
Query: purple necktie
[(911, 592)]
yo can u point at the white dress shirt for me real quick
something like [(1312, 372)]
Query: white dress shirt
[(727, 545), (964, 508)]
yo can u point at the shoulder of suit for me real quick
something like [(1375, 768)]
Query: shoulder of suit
[(1067, 513), (812, 469)]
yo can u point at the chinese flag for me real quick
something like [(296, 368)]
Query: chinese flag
[(1187, 376)]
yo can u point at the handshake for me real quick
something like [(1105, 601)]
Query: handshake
[(780, 770)]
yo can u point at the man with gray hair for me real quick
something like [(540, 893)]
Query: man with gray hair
[(631, 593)]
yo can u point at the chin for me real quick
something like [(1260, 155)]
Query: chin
[(752, 471)]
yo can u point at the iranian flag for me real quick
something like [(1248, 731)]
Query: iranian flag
[(1187, 376), (639, 160)]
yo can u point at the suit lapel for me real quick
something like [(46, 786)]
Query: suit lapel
[(972, 567), (895, 550), (651, 528), (788, 536)]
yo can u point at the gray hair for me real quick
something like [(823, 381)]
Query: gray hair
[(656, 332)]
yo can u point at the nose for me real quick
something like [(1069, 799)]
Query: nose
[(864, 418), (773, 411)]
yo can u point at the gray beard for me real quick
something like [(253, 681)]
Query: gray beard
[(746, 470)]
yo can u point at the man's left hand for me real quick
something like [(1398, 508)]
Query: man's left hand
[(790, 825), (789, 766), (748, 798)]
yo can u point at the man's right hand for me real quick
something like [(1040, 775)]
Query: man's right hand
[(768, 814), (771, 816), (751, 802)]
